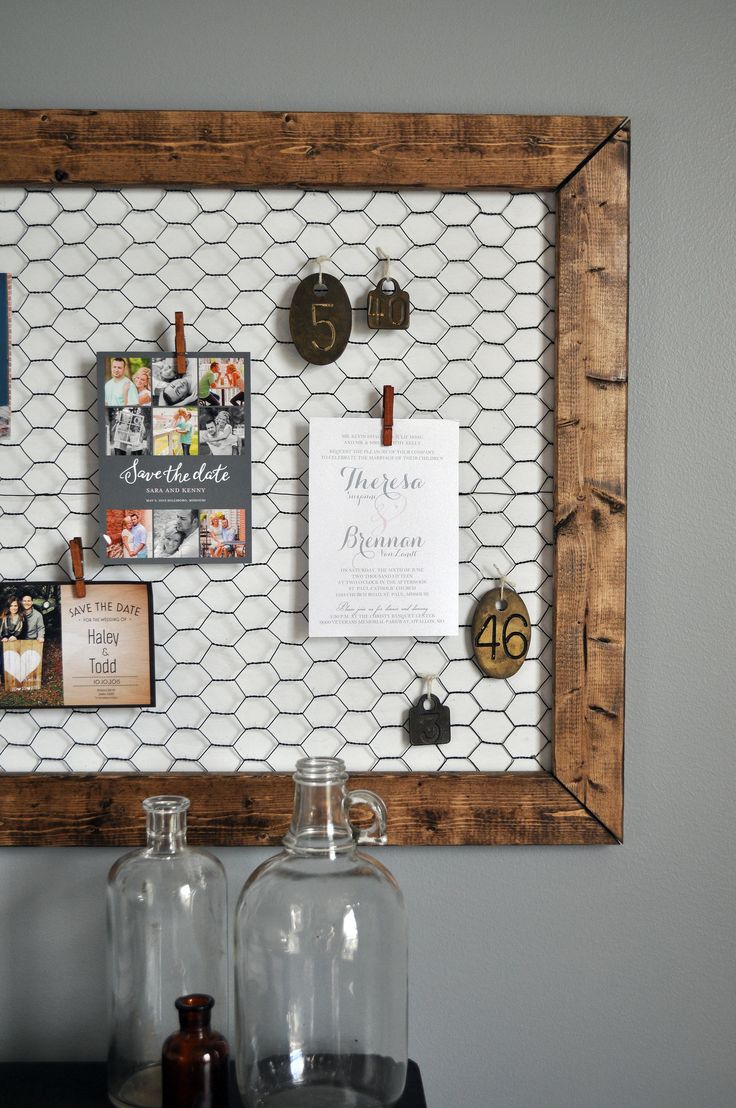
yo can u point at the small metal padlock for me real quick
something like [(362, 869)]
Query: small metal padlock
[(388, 306), (429, 726)]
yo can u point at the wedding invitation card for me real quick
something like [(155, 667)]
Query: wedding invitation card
[(383, 528)]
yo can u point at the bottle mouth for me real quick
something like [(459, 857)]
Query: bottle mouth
[(194, 1002), (166, 805), (320, 771)]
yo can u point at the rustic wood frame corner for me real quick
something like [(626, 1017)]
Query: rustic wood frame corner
[(584, 159)]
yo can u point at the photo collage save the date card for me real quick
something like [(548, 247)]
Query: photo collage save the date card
[(175, 456)]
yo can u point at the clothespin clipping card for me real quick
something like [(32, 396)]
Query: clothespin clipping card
[(180, 344), (387, 436), (75, 545)]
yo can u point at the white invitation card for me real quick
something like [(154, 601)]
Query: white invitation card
[(383, 528)]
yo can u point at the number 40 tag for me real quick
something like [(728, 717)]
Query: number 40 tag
[(501, 633)]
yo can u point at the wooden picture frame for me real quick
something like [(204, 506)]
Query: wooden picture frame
[(584, 159)]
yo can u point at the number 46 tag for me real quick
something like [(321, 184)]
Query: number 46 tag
[(501, 632)]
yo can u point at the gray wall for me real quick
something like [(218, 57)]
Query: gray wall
[(558, 977)]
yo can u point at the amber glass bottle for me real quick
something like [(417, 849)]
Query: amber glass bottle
[(194, 1060)]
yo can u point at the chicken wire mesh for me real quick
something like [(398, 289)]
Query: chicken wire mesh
[(240, 686)]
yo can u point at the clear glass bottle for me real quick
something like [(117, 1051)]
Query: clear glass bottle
[(321, 960), (167, 924)]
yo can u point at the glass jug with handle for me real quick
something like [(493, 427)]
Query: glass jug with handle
[(321, 959)]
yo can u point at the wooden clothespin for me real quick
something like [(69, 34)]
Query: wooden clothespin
[(388, 415), (75, 545), (179, 344)]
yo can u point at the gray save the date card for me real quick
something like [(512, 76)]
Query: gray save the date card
[(175, 456)]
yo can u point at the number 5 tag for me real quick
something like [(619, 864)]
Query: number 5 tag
[(320, 318), (501, 633)]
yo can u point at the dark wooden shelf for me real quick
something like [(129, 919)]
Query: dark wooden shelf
[(82, 1085)]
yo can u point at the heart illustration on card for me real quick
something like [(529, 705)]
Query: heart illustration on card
[(21, 661), (389, 508)]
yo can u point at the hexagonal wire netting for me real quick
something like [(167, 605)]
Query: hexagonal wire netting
[(240, 686)]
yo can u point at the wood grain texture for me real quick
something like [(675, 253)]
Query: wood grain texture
[(179, 149), (578, 156), (255, 809), (590, 481)]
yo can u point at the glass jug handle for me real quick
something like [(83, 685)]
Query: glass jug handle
[(376, 833)]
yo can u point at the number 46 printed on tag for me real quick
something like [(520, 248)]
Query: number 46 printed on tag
[(501, 633)]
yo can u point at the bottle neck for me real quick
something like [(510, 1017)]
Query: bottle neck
[(166, 824), (320, 822), (194, 1013)]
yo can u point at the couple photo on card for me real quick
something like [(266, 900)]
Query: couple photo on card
[(30, 642)]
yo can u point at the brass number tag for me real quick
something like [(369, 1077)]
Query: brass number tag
[(388, 307), (501, 633), (320, 319)]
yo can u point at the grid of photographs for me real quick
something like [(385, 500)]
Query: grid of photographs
[(153, 410), (186, 533)]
